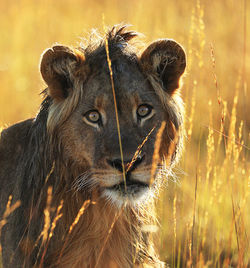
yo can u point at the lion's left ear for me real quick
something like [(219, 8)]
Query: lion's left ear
[(167, 59), (59, 66)]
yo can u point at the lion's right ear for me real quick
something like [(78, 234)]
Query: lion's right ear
[(58, 67), (167, 60)]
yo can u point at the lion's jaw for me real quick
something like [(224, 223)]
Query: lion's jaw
[(132, 195), (129, 190)]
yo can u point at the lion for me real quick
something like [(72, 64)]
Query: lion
[(82, 168)]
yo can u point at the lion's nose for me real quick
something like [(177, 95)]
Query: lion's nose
[(129, 165)]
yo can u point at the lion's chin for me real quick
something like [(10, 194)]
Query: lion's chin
[(131, 194)]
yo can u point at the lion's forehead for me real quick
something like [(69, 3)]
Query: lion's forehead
[(130, 90)]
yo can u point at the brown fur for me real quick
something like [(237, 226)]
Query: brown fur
[(63, 151)]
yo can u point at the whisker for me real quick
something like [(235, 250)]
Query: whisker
[(84, 180)]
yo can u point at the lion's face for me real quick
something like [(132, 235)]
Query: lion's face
[(91, 131), (119, 167)]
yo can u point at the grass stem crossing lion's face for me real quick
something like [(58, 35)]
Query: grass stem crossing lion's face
[(115, 152)]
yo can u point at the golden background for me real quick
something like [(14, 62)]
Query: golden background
[(204, 209)]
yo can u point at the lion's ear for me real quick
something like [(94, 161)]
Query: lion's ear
[(58, 66), (167, 59)]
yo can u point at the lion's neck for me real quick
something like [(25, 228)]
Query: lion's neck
[(103, 237)]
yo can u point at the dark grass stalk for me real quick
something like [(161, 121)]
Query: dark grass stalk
[(246, 243), (174, 218), (235, 223), (195, 199), (241, 235), (179, 255), (138, 151), (185, 248), (44, 253), (157, 150), (29, 222), (35, 208), (108, 235), (227, 258), (8, 210), (243, 242), (244, 53), (116, 109), (74, 223), (194, 209), (227, 137), (219, 98), (214, 75), (190, 52), (53, 225), (198, 240), (46, 225)]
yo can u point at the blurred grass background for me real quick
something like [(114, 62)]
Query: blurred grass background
[(204, 210)]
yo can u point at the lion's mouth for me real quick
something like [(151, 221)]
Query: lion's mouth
[(129, 187), (133, 191)]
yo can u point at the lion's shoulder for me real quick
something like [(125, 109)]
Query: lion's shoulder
[(13, 141), (14, 136)]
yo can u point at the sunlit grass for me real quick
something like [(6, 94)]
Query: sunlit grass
[(205, 217)]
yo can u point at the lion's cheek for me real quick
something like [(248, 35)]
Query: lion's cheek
[(77, 148)]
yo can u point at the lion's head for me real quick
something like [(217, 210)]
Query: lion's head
[(82, 114)]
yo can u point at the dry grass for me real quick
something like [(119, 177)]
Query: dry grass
[(204, 210)]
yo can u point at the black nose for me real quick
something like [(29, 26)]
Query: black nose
[(128, 164)]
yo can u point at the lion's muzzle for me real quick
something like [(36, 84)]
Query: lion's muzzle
[(131, 187)]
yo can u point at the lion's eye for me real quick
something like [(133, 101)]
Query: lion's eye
[(144, 110), (93, 116)]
